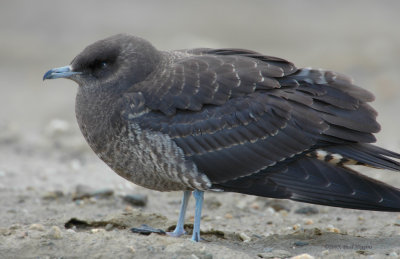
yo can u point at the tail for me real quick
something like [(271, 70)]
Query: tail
[(323, 181)]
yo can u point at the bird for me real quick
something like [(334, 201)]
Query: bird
[(228, 120)]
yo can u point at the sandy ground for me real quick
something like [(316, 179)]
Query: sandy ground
[(58, 200)]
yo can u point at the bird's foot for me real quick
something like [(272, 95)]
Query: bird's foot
[(196, 237), (177, 232)]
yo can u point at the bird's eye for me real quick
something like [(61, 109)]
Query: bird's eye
[(103, 65)]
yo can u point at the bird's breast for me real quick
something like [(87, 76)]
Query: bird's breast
[(152, 160)]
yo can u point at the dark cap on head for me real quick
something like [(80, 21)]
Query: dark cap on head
[(119, 59)]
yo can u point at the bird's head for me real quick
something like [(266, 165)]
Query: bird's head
[(120, 60)]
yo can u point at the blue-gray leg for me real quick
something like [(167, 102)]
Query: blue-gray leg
[(198, 195), (179, 229)]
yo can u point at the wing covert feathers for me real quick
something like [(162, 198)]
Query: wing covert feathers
[(257, 125)]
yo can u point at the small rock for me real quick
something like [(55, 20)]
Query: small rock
[(302, 256), (278, 206), (307, 210), (275, 254), (103, 193), (84, 191), (270, 210), (75, 164), (393, 254), (128, 209), (296, 226), (109, 227), (364, 252), (52, 195), (331, 228), (55, 233), (15, 226), (56, 127), (397, 223), (131, 249), (283, 213), (136, 199), (325, 252), (38, 227), (360, 218), (308, 222), (22, 234), (5, 232), (255, 205), (245, 238), (300, 243), (97, 230), (228, 216)]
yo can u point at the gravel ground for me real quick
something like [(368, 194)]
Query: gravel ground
[(58, 200)]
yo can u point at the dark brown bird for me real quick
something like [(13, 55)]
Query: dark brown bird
[(228, 120)]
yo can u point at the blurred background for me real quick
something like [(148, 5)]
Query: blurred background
[(358, 38)]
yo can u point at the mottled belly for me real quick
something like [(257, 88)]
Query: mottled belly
[(152, 160)]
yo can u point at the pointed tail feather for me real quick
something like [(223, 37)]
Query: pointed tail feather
[(367, 154)]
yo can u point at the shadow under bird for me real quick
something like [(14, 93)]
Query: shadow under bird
[(229, 120)]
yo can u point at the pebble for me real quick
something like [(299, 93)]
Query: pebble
[(308, 222), (109, 227), (128, 209), (296, 226), (5, 232), (136, 199), (393, 254), (15, 226), (331, 228), (52, 195), (38, 227), (275, 254), (22, 234), (75, 164), (97, 230), (55, 233), (325, 252), (228, 216), (84, 191), (131, 249), (278, 206), (56, 127), (245, 238), (364, 252), (283, 213), (307, 210), (255, 205), (270, 210), (300, 243), (302, 256)]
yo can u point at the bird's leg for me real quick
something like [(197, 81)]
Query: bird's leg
[(179, 229), (198, 195)]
